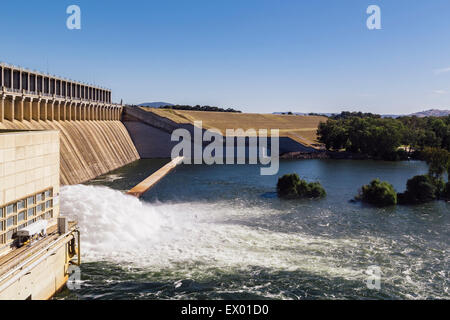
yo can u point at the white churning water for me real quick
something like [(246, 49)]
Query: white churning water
[(122, 229)]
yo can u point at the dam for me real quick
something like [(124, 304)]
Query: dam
[(55, 131), (93, 139)]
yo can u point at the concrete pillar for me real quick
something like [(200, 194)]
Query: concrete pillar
[(74, 111), (62, 110), (50, 110), (9, 109), (91, 111), (18, 108), (36, 109), (69, 110), (77, 111), (81, 111), (88, 112), (56, 110), (43, 108), (27, 109), (2, 107)]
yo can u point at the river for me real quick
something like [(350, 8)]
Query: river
[(220, 232)]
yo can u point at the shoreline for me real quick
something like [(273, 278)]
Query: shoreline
[(299, 155)]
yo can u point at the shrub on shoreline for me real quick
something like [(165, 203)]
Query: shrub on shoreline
[(419, 189), (378, 193), (290, 186), (446, 193), (287, 186)]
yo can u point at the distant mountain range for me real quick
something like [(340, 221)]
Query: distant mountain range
[(421, 114), (427, 113), (155, 104), (432, 113)]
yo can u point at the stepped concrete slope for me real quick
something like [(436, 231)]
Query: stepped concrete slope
[(88, 148)]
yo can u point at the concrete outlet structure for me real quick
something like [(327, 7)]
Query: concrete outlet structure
[(29, 181), (29, 194)]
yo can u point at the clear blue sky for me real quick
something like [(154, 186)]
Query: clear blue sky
[(257, 55)]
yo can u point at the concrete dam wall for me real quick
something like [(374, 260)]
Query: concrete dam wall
[(88, 148), (151, 134)]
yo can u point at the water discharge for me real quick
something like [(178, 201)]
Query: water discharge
[(120, 228), (220, 239)]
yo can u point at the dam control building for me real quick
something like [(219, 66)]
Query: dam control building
[(28, 95)]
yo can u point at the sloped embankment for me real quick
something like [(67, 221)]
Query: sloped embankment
[(88, 148)]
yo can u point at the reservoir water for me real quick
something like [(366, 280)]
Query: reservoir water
[(220, 232)]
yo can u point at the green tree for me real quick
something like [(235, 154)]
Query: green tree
[(419, 189), (310, 190), (287, 186), (438, 161), (380, 194), (290, 186), (446, 193)]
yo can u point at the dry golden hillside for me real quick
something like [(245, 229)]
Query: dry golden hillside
[(300, 128)]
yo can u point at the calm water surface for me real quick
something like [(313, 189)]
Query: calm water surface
[(220, 232)]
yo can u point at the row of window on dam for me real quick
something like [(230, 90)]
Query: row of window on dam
[(19, 80)]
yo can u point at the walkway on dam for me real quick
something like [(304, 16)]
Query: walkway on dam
[(148, 183)]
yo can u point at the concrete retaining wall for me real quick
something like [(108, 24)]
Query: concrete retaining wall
[(151, 134)]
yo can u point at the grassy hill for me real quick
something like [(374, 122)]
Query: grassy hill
[(299, 128)]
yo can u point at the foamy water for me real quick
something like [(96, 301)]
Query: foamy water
[(122, 229), (196, 239)]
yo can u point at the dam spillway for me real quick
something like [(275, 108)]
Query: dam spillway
[(93, 139), (88, 148)]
